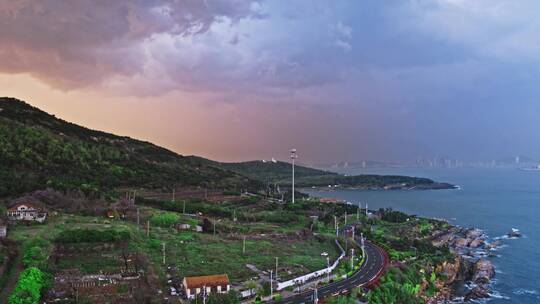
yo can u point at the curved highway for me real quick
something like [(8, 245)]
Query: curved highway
[(368, 273)]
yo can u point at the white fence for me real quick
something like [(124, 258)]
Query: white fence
[(309, 276)]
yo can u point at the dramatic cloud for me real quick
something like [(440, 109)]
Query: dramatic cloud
[(385, 79), (71, 44)]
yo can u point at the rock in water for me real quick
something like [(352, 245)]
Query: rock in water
[(461, 242), (474, 233), (478, 292), (483, 271), (514, 233), (476, 243), (493, 245)]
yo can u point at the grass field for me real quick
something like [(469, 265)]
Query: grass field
[(197, 253)]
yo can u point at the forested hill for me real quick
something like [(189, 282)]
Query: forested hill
[(268, 171), (280, 173), (38, 150)]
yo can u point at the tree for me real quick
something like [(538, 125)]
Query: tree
[(207, 226), (224, 298)]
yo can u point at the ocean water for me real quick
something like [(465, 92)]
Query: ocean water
[(494, 200)]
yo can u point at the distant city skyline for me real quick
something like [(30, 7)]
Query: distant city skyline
[(243, 80)]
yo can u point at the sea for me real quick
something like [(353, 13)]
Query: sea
[(494, 200)]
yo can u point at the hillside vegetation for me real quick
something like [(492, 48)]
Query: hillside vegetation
[(268, 171), (280, 173), (38, 150)]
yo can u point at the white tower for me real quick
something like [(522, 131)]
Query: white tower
[(293, 157)]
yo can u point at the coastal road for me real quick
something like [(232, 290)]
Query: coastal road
[(368, 273)]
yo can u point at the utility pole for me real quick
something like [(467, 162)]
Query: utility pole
[(163, 249), (276, 269), (353, 229), (244, 246), (174, 195), (362, 243), (147, 228), (328, 269), (234, 215), (293, 157), (271, 289), (214, 227), (358, 211), (184, 209), (352, 258), (336, 226), (345, 218), (315, 296)]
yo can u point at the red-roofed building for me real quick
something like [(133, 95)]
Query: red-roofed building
[(194, 286)]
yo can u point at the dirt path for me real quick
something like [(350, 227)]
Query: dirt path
[(14, 271)]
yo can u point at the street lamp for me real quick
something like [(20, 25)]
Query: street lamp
[(293, 157), (275, 275), (367, 209)]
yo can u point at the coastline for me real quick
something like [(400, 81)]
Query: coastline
[(469, 276), (390, 187)]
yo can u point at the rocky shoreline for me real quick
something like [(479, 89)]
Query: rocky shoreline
[(469, 276)]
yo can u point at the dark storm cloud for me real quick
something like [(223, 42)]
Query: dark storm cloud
[(76, 43)]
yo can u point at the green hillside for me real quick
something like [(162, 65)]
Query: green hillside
[(38, 150)]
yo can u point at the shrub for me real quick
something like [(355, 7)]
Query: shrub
[(35, 252), (164, 219), (28, 288), (92, 236)]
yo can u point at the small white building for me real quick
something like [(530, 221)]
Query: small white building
[(194, 286), (3, 229), (26, 212), (183, 226)]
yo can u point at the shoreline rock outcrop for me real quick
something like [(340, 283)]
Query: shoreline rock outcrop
[(471, 266)]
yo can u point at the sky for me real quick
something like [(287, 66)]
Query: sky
[(237, 80)]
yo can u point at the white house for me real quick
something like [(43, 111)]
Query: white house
[(26, 212)]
